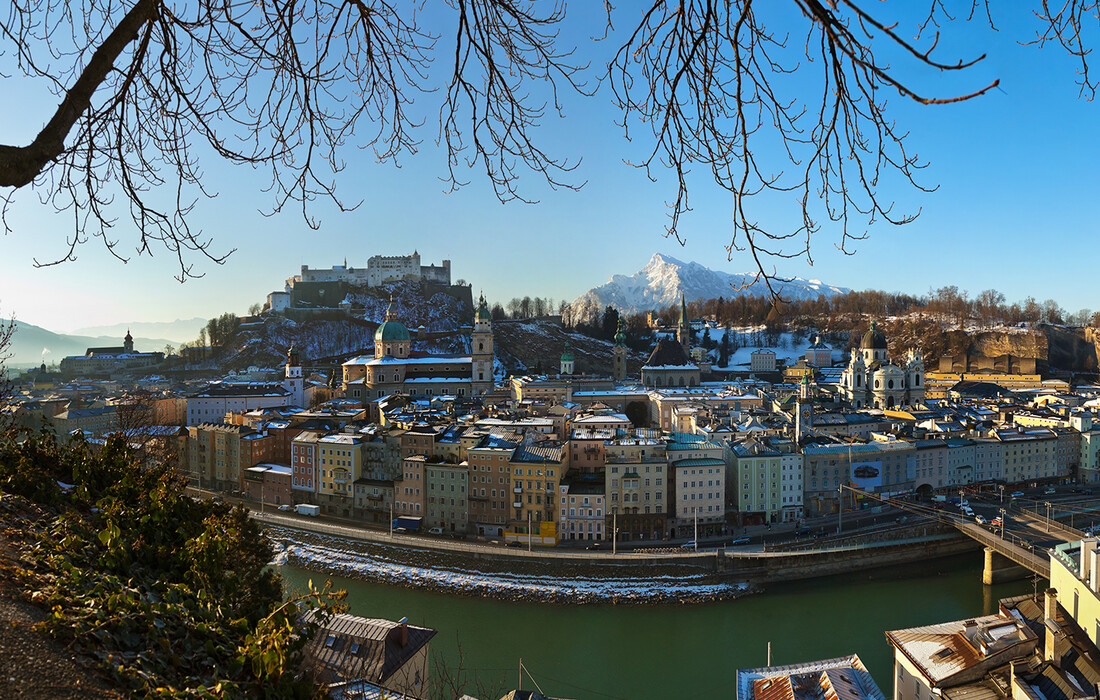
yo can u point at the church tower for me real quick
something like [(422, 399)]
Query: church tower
[(618, 353), (804, 411), (481, 349), (294, 381), (683, 328), (567, 360), (128, 341)]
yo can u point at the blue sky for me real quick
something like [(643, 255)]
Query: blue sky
[(1015, 209)]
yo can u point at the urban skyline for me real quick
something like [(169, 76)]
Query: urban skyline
[(1012, 169)]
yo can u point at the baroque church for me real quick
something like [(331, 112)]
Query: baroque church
[(395, 368), (871, 380), (670, 365)]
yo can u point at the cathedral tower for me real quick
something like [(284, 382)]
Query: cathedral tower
[(293, 380), (481, 349), (618, 353)]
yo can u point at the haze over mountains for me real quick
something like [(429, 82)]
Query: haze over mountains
[(32, 345), (182, 330), (658, 285)]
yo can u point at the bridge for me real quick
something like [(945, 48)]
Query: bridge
[(1008, 554)]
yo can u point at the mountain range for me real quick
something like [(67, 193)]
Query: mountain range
[(182, 330), (32, 345), (658, 285)]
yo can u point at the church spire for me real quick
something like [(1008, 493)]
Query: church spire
[(683, 330)]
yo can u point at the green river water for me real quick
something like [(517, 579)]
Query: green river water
[(682, 651)]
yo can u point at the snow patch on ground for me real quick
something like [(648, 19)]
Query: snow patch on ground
[(335, 555)]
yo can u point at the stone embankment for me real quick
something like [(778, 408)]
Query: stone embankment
[(572, 577)]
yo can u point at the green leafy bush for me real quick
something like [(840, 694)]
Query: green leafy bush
[(172, 595)]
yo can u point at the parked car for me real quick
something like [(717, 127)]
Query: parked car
[(740, 540), (967, 511), (514, 543), (688, 545), (286, 507), (594, 545), (458, 535), (217, 499), (1016, 494), (964, 503), (1049, 491), (979, 519), (804, 532), (435, 531)]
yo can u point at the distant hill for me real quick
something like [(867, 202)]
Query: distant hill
[(33, 345), (182, 330), (658, 285)]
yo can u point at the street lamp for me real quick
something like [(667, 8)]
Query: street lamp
[(1003, 516), (839, 508), (1002, 487), (614, 530), (695, 513), (1049, 505)]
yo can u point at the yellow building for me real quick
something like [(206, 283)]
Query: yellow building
[(339, 464), (536, 472)]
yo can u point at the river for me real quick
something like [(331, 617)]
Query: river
[(682, 650)]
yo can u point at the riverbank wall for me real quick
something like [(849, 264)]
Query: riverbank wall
[(860, 551)]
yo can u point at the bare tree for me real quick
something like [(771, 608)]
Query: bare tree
[(7, 389), (144, 85)]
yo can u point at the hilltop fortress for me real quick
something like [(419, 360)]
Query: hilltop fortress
[(326, 287)]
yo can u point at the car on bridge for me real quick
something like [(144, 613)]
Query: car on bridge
[(979, 519), (997, 522), (1016, 494), (740, 540)]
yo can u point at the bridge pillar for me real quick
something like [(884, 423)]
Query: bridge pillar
[(999, 569)]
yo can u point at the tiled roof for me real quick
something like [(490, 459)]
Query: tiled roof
[(347, 647)]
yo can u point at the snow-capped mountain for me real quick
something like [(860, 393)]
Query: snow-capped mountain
[(658, 285)]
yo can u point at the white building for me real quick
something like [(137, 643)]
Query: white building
[(763, 360), (871, 380)]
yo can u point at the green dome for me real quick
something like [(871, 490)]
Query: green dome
[(567, 356), (483, 313), (620, 333), (391, 331)]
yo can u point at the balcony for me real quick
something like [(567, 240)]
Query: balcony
[(518, 489), (517, 504)]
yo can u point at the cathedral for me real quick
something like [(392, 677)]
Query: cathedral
[(871, 380), (395, 368)]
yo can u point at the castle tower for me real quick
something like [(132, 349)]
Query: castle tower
[(128, 341), (618, 353), (804, 411), (567, 360), (481, 349), (683, 329), (293, 380)]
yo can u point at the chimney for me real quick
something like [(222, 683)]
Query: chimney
[(1088, 550), (1050, 621), (403, 632)]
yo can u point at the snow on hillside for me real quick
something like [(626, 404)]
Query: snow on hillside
[(658, 285), (787, 346)]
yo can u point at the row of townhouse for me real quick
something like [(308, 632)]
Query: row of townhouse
[(642, 484)]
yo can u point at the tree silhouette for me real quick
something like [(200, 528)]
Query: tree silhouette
[(146, 86)]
